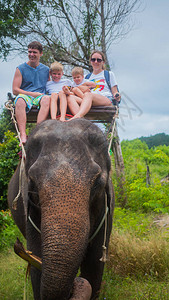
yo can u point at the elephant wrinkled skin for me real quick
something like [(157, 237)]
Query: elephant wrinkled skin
[(64, 185)]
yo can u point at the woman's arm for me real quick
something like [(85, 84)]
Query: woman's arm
[(115, 93)]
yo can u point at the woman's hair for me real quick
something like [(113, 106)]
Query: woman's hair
[(102, 55), (36, 45), (56, 66), (77, 71)]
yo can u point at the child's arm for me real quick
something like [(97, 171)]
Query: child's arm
[(66, 90), (90, 84)]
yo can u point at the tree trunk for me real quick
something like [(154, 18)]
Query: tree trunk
[(119, 167), (148, 176)]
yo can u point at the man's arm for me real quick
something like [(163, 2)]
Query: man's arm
[(17, 81)]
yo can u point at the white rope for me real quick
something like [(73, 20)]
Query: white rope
[(112, 131), (9, 106), (33, 224), (15, 201), (100, 225), (104, 256)]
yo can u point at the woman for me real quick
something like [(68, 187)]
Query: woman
[(101, 94)]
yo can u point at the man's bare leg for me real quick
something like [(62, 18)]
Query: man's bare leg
[(44, 109), (20, 114)]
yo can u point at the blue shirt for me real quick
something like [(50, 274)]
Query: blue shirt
[(34, 79)]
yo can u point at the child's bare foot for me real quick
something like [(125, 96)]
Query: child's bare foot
[(62, 119), (75, 117)]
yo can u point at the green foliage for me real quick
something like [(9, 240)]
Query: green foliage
[(8, 230), (5, 123), (8, 161), (127, 221), (156, 140), (142, 196), (13, 16)]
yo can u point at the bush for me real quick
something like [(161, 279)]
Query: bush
[(8, 230), (140, 195), (8, 161)]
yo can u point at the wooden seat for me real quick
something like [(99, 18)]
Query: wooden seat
[(97, 114), (101, 114)]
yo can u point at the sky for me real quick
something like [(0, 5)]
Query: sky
[(141, 65)]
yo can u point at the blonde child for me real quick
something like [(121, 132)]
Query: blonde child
[(54, 88), (80, 84)]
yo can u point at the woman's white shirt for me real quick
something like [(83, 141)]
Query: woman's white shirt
[(102, 87)]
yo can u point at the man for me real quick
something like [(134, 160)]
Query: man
[(29, 86)]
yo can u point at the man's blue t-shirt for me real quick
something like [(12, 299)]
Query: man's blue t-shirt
[(34, 79)]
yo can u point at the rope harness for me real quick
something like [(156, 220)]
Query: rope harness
[(10, 107)]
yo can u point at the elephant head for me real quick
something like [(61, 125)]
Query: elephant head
[(67, 177)]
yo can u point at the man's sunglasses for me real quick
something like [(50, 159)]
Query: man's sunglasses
[(99, 60)]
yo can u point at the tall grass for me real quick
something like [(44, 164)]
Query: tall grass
[(132, 256)]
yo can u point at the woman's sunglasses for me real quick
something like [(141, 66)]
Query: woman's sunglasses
[(99, 60)]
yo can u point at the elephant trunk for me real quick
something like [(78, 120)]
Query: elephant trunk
[(64, 241), (82, 289)]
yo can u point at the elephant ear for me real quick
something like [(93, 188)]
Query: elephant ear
[(110, 195), (98, 146)]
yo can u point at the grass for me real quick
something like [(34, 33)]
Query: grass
[(115, 287), (138, 265), (12, 276)]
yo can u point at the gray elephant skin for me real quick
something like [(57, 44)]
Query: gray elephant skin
[(64, 186)]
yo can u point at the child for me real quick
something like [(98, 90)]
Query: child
[(54, 88), (80, 85)]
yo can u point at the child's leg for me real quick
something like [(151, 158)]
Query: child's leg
[(73, 103), (53, 105), (84, 88), (63, 105), (78, 92)]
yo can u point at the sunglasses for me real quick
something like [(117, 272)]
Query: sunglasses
[(99, 60)]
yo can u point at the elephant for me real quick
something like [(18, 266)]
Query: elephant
[(65, 204)]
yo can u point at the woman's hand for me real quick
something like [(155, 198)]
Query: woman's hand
[(117, 97)]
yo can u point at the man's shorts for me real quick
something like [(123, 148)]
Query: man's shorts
[(30, 101)]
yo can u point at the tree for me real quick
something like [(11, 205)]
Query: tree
[(68, 29)]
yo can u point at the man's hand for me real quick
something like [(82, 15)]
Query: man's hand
[(35, 94)]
